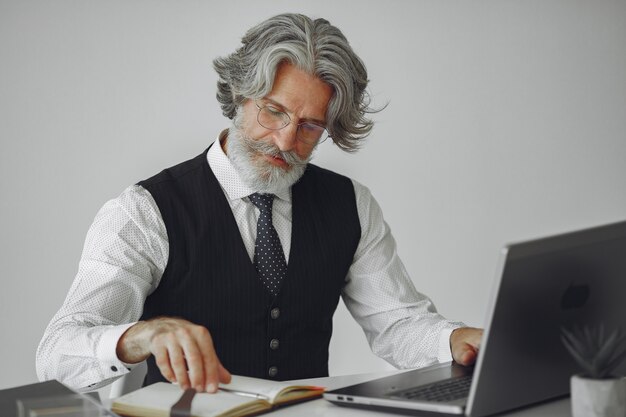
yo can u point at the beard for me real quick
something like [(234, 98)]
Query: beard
[(246, 155)]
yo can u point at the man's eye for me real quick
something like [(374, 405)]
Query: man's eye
[(274, 111), (311, 127)]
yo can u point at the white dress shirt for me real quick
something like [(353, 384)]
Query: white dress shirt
[(126, 251)]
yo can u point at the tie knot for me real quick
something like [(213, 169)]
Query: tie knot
[(262, 201)]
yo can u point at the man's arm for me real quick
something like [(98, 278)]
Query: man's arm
[(402, 325), (94, 338), (124, 256)]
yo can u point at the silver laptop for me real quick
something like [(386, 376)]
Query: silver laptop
[(541, 286)]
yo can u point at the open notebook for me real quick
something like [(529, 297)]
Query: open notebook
[(243, 396)]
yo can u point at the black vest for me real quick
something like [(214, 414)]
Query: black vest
[(210, 280)]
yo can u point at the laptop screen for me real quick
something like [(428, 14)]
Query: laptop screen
[(572, 279)]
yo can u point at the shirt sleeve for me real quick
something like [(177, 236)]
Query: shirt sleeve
[(401, 324), (123, 259)]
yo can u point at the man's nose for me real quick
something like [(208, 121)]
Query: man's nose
[(285, 138)]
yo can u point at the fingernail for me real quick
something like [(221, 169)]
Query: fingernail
[(210, 387)]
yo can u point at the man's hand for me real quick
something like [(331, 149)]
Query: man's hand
[(183, 352), (464, 344)]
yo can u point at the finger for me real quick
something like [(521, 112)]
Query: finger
[(162, 360), (463, 340), (195, 363), (224, 375), (209, 357), (179, 366), (468, 357), (465, 354)]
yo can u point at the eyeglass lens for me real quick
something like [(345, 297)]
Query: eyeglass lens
[(273, 119)]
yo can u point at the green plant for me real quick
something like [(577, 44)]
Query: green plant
[(598, 353)]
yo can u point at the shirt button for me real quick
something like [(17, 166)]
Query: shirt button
[(273, 371), (274, 344), (114, 368), (275, 313)]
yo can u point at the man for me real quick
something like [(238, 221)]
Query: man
[(234, 261)]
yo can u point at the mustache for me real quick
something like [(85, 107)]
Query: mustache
[(272, 150)]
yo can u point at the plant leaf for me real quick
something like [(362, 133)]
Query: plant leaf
[(607, 348), (615, 361), (595, 350), (575, 343)]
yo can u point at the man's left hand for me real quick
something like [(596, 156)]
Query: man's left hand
[(464, 344)]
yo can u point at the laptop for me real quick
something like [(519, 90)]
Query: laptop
[(541, 286)]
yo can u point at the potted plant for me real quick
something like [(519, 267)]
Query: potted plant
[(597, 391)]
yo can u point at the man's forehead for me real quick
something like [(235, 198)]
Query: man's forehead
[(299, 92)]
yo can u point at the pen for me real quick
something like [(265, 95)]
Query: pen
[(245, 393)]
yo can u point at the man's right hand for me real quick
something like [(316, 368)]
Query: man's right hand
[(183, 352)]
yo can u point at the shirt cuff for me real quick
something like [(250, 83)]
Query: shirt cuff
[(445, 354), (110, 364)]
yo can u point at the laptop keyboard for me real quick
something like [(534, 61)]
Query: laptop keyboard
[(448, 390)]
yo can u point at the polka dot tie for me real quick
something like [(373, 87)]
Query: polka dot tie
[(269, 258)]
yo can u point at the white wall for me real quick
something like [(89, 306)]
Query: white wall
[(506, 121)]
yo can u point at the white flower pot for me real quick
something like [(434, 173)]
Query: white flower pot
[(598, 397)]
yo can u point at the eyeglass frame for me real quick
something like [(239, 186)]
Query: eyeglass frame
[(323, 136)]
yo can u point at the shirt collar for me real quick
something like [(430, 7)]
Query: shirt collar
[(227, 175)]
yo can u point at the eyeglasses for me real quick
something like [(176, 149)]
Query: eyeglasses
[(274, 119)]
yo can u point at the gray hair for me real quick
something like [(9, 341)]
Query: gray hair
[(313, 46)]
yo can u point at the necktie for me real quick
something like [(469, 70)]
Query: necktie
[(269, 258)]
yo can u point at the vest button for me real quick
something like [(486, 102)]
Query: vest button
[(273, 371), (274, 344), (275, 313)]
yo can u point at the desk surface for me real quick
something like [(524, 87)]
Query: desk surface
[(321, 407)]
